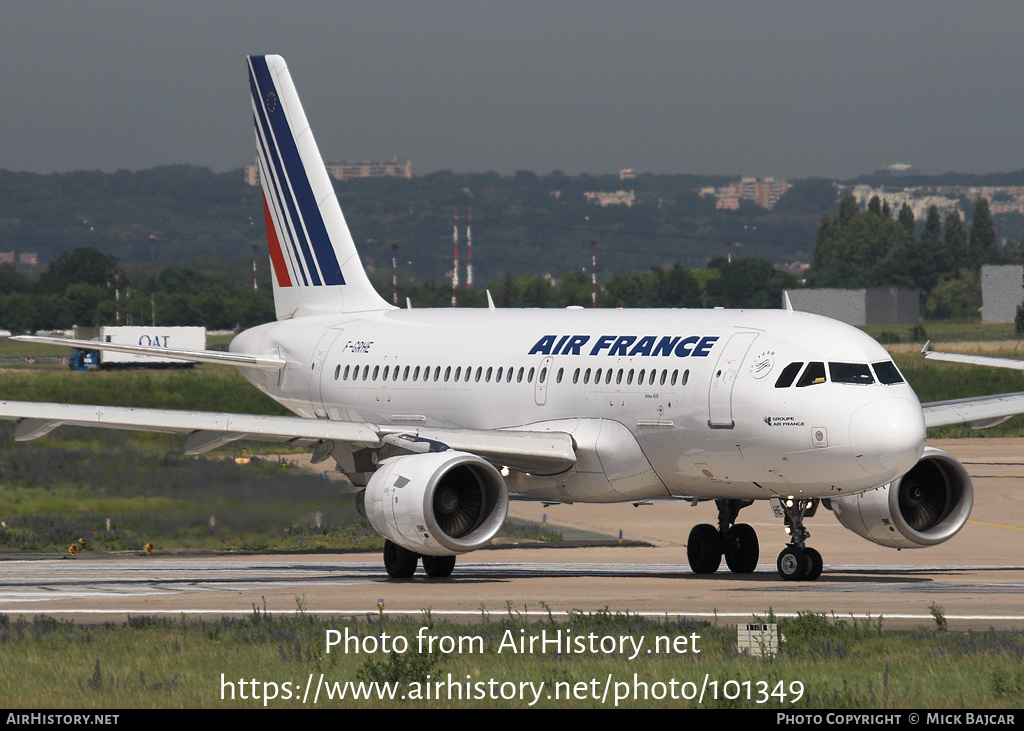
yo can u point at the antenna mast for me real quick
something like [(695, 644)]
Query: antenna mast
[(455, 255), (469, 249), (394, 274)]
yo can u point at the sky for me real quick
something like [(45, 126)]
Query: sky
[(789, 89)]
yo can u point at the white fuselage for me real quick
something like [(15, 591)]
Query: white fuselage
[(662, 403)]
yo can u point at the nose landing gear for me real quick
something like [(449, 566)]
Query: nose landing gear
[(797, 562)]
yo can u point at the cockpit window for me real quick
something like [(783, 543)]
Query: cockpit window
[(813, 374), (788, 375), (887, 373), (850, 373)]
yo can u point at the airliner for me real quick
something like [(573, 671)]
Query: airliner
[(442, 416)]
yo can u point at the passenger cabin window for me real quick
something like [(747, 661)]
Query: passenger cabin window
[(857, 373), (887, 373), (813, 374), (788, 375)]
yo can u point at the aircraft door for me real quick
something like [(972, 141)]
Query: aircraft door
[(316, 369), (723, 379), (543, 378)]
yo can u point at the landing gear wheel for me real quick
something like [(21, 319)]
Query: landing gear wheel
[(400, 563), (815, 562), (704, 549), (438, 567), (742, 549), (793, 564)]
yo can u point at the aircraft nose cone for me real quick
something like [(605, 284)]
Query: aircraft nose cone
[(888, 436)]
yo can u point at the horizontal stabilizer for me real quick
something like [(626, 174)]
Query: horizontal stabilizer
[(248, 360)]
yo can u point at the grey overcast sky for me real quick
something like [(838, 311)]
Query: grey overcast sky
[(786, 88)]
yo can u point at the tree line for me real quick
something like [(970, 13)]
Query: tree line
[(81, 287), (875, 248), (89, 288)]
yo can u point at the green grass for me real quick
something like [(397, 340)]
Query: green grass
[(120, 492), (16, 349), (204, 388), (825, 663), (943, 331), (120, 496)]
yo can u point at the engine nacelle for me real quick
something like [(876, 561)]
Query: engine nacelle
[(436, 504), (925, 507)]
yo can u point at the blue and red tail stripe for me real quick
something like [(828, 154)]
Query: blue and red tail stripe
[(290, 195)]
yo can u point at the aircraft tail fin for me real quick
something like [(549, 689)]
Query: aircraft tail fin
[(316, 269)]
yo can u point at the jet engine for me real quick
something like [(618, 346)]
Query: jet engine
[(436, 504), (926, 506)]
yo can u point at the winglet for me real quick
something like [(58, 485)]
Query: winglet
[(927, 348)]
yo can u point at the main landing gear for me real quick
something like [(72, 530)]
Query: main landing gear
[(798, 562), (736, 541), (400, 563)]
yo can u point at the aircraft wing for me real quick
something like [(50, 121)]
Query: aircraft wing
[(980, 412), (263, 361), (540, 452), (982, 360)]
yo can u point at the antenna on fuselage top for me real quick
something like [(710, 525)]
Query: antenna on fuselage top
[(490, 302), (408, 303), (786, 301)]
